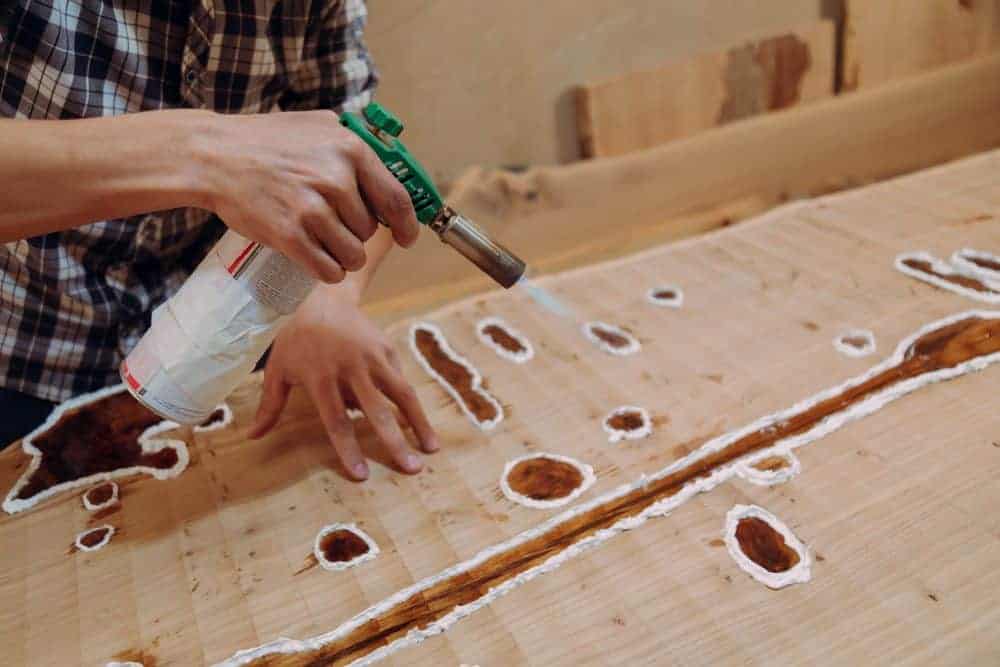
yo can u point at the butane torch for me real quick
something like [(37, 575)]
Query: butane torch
[(208, 336), (380, 129)]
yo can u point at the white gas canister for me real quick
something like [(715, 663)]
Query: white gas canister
[(207, 338)]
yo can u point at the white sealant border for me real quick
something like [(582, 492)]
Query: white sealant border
[(285, 646), (586, 471), (227, 419), (617, 435), (521, 357), (961, 260), (946, 269), (676, 302), (332, 566), (850, 350), (95, 507), (633, 343), (748, 473), (148, 442), (477, 378), (78, 543), (799, 573)]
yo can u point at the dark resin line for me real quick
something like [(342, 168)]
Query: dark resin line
[(945, 347)]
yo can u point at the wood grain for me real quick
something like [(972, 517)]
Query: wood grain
[(892, 39), (640, 110)]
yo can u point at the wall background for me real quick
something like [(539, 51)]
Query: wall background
[(491, 83)]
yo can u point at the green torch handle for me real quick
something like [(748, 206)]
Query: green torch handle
[(379, 129)]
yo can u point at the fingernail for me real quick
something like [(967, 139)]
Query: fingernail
[(433, 445), (360, 471), (413, 462)]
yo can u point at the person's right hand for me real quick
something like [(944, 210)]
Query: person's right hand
[(304, 185)]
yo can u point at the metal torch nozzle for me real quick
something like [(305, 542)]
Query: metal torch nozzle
[(465, 237)]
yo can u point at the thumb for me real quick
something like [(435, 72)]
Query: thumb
[(273, 398)]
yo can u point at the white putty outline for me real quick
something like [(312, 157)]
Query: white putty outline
[(477, 378), (850, 350), (586, 471), (148, 442), (130, 663), (799, 573), (960, 259), (676, 302), (617, 435), (633, 343), (100, 545), (227, 419), (946, 269), (749, 473), (521, 357), (332, 566), (663, 507), (94, 507)]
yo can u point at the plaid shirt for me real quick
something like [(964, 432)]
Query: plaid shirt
[(73, 303)]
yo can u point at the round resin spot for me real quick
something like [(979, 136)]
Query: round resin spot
[(545, 480), (611, 339), (667, 296), (628, 423), (94, 538), (505, 340), (770, 470), (343, 545), (764, 547), (101, 496), (855, 343)]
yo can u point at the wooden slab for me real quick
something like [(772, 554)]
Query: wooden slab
[(893, 39), (898, 508), (643, 109)]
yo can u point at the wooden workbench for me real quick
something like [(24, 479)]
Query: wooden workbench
[(898, 509)]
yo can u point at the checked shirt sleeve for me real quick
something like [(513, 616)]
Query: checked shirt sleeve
[(336, 71)]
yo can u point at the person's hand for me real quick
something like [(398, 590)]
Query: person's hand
[(343, 360), (303, 184)]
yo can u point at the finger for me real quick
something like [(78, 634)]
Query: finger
[(386, 197), (273, 398), (310, 254), (395, 386), (355, 213), (336, 239), (330, 405), (383, 422)]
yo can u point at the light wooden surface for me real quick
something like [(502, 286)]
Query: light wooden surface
[(491, 83), (718, 177), (899, 508), (647, 108), (892, 39)]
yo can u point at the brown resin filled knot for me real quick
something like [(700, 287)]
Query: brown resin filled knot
[(772, 464), (342, 546), (627, 421), (501, 337), (764, 545), (100, 495), (545, 480)]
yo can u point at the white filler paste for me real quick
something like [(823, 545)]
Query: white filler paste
[(617, 434), (95, 507), (227, 419), (631, 347), (868, 347), (335, 566), (586, 471), (962, 260), (519, 357), (872, 404), (675, 301), (946, 269), (477, 378), (148, 441), (749, 473), (799, 573), (100, 545)]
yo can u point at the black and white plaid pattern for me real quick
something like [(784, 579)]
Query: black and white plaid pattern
[(73, 303)]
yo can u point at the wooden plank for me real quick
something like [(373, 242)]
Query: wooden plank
[(892, 39), (897, 508), (828, 145), (640, 110)]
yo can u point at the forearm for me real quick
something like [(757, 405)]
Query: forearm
[(59, 174)]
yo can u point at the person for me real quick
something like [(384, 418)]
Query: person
[(131, 134)]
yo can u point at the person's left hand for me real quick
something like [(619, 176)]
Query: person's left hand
[(343, 360)]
